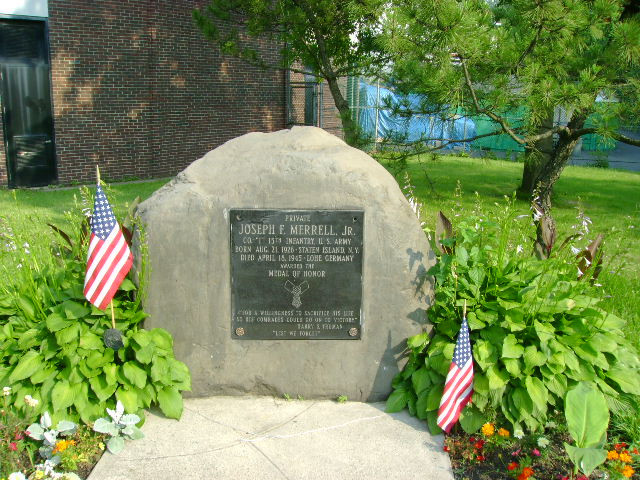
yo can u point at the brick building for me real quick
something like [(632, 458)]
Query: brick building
[(131, 86)]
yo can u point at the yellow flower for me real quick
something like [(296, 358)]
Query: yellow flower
[(612, 455), (101, 446), (39, 475), (503, 432), (626, 458), (488, 429), (627, 471)]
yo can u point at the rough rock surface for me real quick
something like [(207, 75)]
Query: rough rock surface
[(187, 230)]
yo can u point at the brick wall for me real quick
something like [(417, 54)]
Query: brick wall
[(140, 92)]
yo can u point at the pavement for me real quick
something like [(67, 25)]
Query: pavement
[(271, 438)]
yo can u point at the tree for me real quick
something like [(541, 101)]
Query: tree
[(537, 57), (330, 39)]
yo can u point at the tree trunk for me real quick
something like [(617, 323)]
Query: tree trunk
[(536, 157), (348, 124), (551, 170)]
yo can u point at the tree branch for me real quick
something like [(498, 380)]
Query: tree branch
[(615, 135), (503, 123)]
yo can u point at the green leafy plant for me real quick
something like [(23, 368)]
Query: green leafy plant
[(587, 417), (536, 327), (42, 431), (52, 347), (119, 427)]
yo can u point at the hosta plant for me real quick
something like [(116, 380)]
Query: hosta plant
[(536, 327), (51, 344), (119, 426)]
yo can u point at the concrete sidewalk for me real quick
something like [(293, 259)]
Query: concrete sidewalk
[(268, 438)]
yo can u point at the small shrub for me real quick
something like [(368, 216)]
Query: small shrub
[(536, 329)]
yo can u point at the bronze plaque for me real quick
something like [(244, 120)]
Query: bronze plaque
[(296, 274)]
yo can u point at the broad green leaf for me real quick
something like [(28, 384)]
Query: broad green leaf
[(485, 354), (162, 339), (103, 388), (421, 405), (42, 374), (432, 422), (513, 366), (604, 342), (127, 285), (145, 354), (396, 401), (74, 310), (480, 384), (170, 402), (26, 306), (497, 378), (27, 366), (434, 397), (587, 415), (115, 445), (136, 375), (462, 256), (56, 322), (522, 401), (533, 358), (511, 348), (537, 391), (129, 398), (474, 322), (91, 341), (68, 335), (471, 419), (418, 341), (62, 395), (587, 459), (28, 339), (160, 370), (420, 380), (626, 378)]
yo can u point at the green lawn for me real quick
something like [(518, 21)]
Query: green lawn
[(610, 198)]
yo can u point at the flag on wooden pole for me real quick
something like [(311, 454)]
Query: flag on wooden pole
[(109, 259), (458, 387)]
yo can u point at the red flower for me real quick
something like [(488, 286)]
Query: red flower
[(13, 446), (620, 446), (479, 444), (446, 448), (472, 439), (635, 451), (535, 452), (581, 477), (480, 458), (19, 435), (512, 466)]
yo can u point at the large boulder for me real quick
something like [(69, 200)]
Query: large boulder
[(187, 228)]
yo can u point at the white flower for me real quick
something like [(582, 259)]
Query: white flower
[(6, 391), (25, 245), (518, 433), (17, 476), (519, 249), (19, 265), (575, 250), (32, 402), (543, 442)]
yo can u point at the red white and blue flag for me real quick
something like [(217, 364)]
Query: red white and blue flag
[(109, 258), (458, 387)]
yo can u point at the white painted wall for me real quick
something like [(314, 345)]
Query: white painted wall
[(29, 8)]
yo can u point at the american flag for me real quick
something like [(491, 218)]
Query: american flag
[(109, 258), (458, 387)]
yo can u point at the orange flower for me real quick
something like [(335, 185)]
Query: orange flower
[(635, 451), (626, 458), (528, 471), (503, 432), (512, 466), (627, 471), (612, 455), (62, 445), (488, 429)]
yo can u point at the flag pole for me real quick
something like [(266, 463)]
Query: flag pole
[(464, 309), (113, 318)]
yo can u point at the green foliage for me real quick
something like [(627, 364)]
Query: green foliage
[(587, 417), (119, 427), (536, 329), (51, 344)]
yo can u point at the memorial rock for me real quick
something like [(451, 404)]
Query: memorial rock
[(287, 263)]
